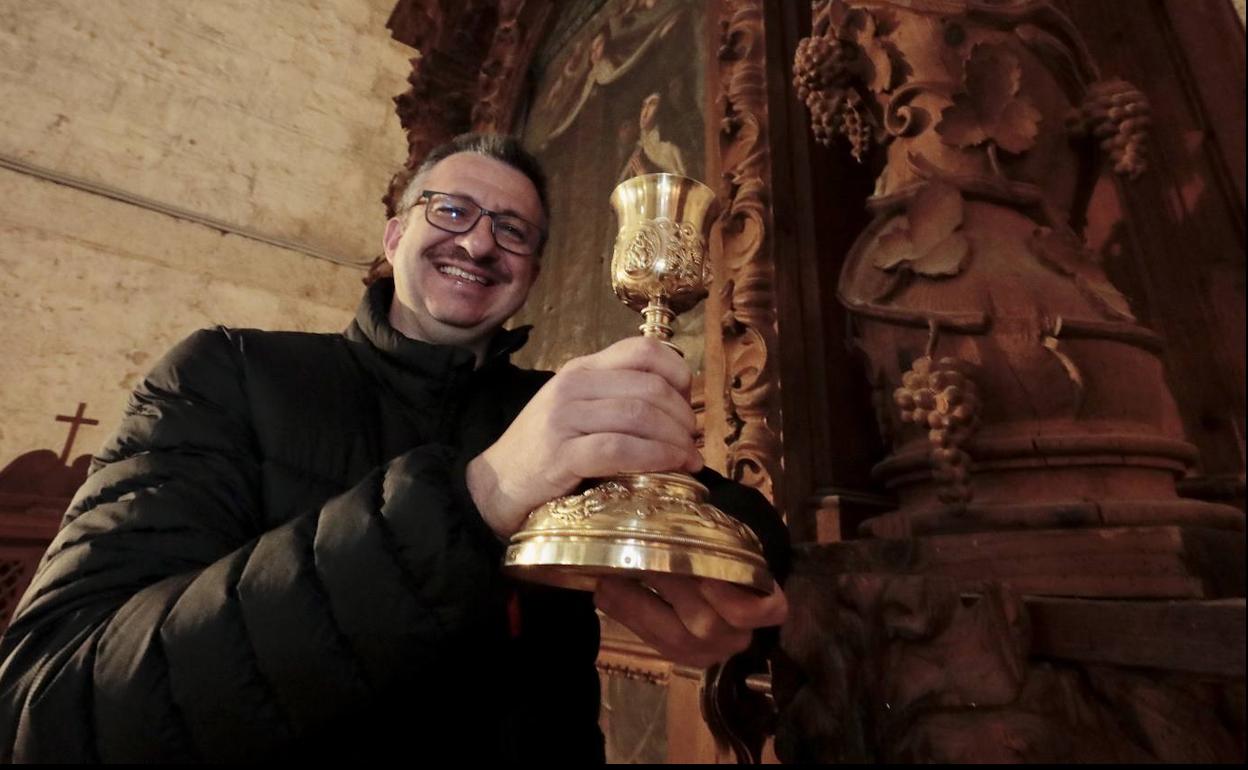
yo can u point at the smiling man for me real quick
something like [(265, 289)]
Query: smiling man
[(464, 270), (291, 546)]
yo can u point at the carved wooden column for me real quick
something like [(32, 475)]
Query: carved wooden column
[(1035, 443)]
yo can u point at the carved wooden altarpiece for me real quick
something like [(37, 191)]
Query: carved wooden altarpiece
[(1041, 591)]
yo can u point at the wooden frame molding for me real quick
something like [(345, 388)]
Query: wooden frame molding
[(743, 305)]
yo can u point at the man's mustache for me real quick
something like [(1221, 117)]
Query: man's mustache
[(458, 256)]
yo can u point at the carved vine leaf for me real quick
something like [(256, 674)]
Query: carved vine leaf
[(929, 243), (875, 66), (846, 58), (989, 109), (1064, 252)]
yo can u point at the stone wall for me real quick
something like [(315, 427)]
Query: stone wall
[(170, 166)]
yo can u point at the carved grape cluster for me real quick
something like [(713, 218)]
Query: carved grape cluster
[(822, 70), (854, 125), (823, 111), (841, 112), (821, 63), (942, 397), (1118, 115)]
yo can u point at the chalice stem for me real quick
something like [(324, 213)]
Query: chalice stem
[(658, 322)]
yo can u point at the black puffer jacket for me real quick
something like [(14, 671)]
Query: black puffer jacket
[(277, 555)]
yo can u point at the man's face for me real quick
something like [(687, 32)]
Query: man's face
[(458, 288)]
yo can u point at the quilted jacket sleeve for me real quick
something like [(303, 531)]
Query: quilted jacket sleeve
[(166, 623)]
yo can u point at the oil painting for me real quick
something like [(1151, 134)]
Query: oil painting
[(618, 92)]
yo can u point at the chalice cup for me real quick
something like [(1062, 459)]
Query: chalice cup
[(638, 523)]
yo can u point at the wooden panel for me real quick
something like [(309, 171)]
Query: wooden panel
[(818, 202), (1198, 637), (1157, 562), (1174, 239)]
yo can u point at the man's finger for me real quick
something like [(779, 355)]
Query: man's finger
[(594, 385), (656, 623), (606, 454), (744, 609), (630, 416), (644, 355), (694, 611)]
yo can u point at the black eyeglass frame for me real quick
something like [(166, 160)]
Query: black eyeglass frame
[(427, 195)]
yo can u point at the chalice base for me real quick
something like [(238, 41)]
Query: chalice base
[(633, 525)]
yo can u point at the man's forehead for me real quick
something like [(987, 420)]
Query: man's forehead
[(491, 183)]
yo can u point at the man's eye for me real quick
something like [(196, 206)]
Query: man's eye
[(512, 231), (450, 211)]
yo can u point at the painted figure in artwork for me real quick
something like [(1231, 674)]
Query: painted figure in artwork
[(589, 67), (652, 155)]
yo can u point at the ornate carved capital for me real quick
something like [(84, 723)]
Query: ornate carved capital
[(982, 90)]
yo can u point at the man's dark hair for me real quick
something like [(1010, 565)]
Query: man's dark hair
[(505, 149)]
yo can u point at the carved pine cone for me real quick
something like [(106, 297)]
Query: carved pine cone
[(1118, 115)]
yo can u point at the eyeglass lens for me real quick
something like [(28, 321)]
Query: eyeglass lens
[(458, 215)]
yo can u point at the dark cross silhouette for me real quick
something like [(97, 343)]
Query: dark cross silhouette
[(74, 421)]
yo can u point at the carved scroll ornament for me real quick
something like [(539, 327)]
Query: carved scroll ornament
[(747, 288)]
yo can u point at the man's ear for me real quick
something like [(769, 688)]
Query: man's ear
[(390, 239)]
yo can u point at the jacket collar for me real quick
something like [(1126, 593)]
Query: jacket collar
[(372, 326)]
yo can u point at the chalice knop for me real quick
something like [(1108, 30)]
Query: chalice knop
[(638, 523)]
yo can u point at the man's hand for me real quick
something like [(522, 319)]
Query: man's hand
[(624, 409), (690, 621)]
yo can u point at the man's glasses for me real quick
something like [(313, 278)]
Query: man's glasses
[(457, 214)]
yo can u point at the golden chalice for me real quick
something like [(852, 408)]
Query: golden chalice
[(645, 522)]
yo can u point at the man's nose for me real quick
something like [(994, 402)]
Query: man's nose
[(478, 241)]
